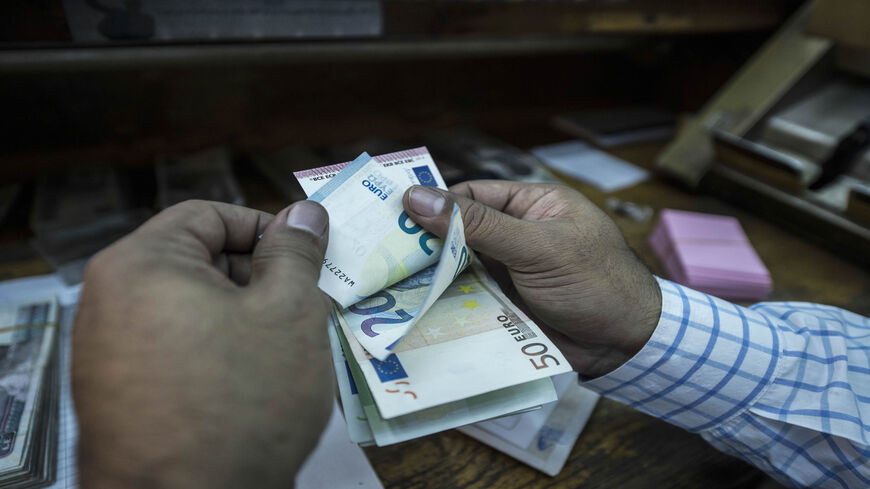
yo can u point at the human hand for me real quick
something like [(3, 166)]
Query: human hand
[(201, 356), (566, 260)]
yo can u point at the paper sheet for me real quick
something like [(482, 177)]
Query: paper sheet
[(337, 462), (521, 429), (583, 162)]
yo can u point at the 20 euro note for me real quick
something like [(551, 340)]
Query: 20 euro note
[(384, 270), (473, 340), (358, 429), (372, 243)]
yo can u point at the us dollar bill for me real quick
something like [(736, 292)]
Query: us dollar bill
[(28, 328), (472, 340), (383, 269)]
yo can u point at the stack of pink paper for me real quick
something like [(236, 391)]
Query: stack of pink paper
[(710, 253)]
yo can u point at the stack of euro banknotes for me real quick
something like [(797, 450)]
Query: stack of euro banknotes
[(29, 394), (423, 340)]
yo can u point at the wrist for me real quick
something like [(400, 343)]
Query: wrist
[(646, 310), (629, 327)]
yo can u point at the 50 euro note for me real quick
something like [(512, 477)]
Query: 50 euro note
[(472, 341), (366, 426), (384, 270)]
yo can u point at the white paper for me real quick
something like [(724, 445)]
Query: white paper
[(337, 463), (521, 429), (583, 162), (552, 443), (40, 285)]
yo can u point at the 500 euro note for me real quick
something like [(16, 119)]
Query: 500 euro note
[(384, 270)]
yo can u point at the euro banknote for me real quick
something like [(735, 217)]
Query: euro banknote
[(384, 270), (544, 438), (473, 340), (357, 424), (372, 243), (356, 397)]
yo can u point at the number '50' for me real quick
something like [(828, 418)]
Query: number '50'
[(538, 350)]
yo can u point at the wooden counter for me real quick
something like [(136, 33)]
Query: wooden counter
[(619, 447)]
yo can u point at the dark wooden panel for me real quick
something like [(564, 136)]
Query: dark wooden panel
[(44, 21), (512, 18)]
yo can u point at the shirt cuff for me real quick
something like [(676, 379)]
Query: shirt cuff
[(707, 361)]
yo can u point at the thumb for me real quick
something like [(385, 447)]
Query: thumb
[(292, 247), (487, 230)]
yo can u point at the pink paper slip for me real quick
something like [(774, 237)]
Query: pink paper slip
[(709, 253)]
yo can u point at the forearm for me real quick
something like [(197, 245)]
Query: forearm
[(756, 382)]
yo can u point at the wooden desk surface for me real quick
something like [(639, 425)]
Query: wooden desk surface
[(621, 447)]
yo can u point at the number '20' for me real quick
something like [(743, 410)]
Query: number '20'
[(424, 238)]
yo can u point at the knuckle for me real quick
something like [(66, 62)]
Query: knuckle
[(186, 206), (562, 193), (301, 250), (190, 207), (478, 220), (460, 188), (562, 190)]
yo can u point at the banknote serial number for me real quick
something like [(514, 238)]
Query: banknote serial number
[(397, 162), (538, 351), (333, 268)]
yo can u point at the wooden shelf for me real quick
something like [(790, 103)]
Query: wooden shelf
[(42, 24), (792, 212), (96, 58)]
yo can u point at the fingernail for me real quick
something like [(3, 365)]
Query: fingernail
[(308, 216), (426, 201)]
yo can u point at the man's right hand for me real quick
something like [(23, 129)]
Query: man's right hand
[(566, 260)]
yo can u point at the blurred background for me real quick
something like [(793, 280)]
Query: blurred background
[(111, 110), (100, 98)]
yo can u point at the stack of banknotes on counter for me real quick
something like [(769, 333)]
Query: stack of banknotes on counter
[(28, 392), (422, 338)]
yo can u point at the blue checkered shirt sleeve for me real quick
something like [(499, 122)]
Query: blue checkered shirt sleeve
[(782, 385)]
